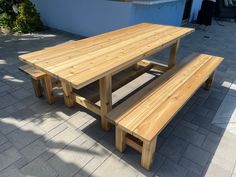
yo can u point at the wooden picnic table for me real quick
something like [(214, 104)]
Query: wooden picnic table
[(79, 63)]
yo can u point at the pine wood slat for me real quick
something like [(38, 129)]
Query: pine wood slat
[(121, 59), (85, 61), (167, 89), (75, 54), (82, 59), (84, 43), (117, 114), (158, 104), (171, 106), (34, 73)]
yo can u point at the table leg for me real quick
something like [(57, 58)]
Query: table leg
[(105, 88), (69, 97), (48, 89), (173, 52), (37, 87)]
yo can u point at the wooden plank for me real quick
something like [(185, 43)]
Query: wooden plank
[(173, 52), (122, 110), (105, 87), (112, 53), (87, 104), (121, 60), (48, 89), (34, 73), (148, 151), (86, 66), (158, 118), (104, 53), (69, 97), (160, 94), (96, 40), (76, 54), (156, 66), (130, 142)]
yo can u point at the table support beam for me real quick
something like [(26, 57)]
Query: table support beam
[(173, 52), (154, 65), (105, 89), (87, 104), (69, 96)]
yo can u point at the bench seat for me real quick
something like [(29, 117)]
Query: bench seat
[(34, 73), (36, 77), (144, 115)]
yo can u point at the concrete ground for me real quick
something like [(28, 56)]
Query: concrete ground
[(40, 140)]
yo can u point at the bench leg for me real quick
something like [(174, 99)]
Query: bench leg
[(136, 67), (120, 139), (69, 97), (105, 89), (173, 51), (48, 89), (148, 151), (37, 87), (209, 81)]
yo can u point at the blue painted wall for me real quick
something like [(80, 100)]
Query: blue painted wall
[(170, 13), (91, 17), (84, 17)]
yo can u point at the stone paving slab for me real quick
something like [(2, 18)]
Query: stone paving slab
[(37, 139)]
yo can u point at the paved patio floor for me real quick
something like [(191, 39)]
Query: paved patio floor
[(40, 140)]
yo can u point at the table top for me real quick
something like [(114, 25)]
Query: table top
[(85, 61)]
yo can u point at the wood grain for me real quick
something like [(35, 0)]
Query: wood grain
[(147, 112), (82, 62)]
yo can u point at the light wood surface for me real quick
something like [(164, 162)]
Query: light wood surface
[(85, 61), (105, 86), (147, 112), (173, 52), (34, 73)]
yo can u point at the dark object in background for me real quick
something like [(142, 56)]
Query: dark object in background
[(226, 9), (206, 13)]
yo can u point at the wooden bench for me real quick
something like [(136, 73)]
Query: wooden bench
[(141, 118), (37, 76)]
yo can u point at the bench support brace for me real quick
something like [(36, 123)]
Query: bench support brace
[(209, 81)]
